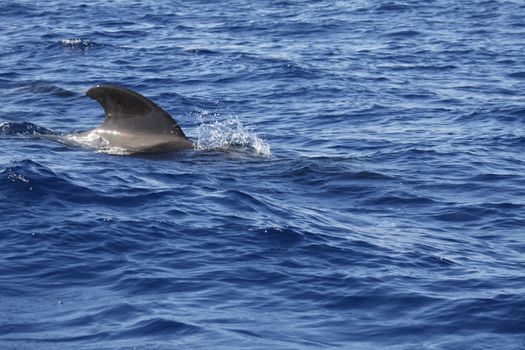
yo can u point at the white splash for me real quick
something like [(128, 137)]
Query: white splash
[(76, 42), (230, 135), (93, 140), (71, 41)]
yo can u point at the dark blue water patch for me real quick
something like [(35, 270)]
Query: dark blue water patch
[(390, 199), (120, 313), (119, 34), (403, 34), (500, 113), (45, 88), (201, 51), (162, 329), (424, 67), (422, 259), (8, 79), (158, 328), (312, 174), (466, 214), (35, 183), (161, 19), (292, 70), (117, 23), (159, 286), (11, 8), (195, 104), (392, 7), (280, 237), (501, 313), (420, 95), (494, 178), (123, 312)]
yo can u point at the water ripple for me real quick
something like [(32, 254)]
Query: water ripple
[(358, 181)]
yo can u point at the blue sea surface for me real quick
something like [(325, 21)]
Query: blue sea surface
[(358, 182)]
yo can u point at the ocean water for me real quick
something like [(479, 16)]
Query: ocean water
[(359, 181)]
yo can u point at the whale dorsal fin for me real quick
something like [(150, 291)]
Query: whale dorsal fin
[(128, 111)]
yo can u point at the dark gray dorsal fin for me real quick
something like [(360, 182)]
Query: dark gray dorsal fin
[(128, 111)]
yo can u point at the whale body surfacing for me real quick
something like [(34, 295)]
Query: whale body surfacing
[(135, 123)]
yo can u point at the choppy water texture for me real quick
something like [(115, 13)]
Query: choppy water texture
[(359, 182)]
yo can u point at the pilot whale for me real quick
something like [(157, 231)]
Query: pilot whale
[(135, 123)]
